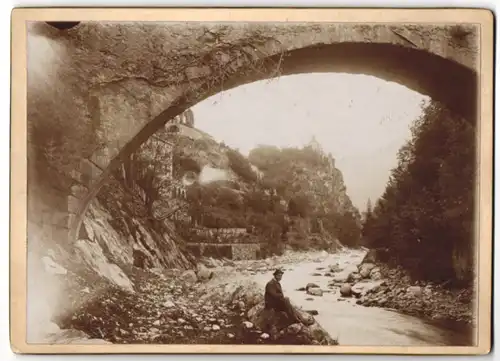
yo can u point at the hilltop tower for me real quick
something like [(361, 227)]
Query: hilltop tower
[(314, 144), (332, 160), (186, 118)]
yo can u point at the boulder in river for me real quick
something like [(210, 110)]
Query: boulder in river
[(189, 276), (204, 274), (311, 285), (285, 331), (354, 277), (340, 277), (345, 290), (315, 291), (334, 267), (365, 269), (351, 268), (362, 288), (375, 274), (300, 334), (249, 293)]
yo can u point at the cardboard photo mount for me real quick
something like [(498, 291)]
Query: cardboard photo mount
[(18, 247)]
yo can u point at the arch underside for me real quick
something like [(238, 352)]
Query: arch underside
[(441, 79)]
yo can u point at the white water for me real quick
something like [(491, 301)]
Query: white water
[(355, 325)]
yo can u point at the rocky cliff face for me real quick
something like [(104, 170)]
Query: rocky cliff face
[(118, 220), (322, 184), (115, 241), (117, 234), (307, 171)]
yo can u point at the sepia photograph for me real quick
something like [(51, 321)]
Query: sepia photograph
[(252, 180)]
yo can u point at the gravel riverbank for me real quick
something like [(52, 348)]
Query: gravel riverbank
[(212, 306), (425, 300)]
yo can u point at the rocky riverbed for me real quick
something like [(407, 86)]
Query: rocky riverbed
[(425, 300), (170, 307), (203, 306), (221, 303)]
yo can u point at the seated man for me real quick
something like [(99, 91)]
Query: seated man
[(274, 299)]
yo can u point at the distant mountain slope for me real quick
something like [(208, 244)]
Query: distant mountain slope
[(270, 191), (307, 171)]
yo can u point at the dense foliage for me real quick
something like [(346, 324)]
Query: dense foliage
[(281, 165), (299, 176), (274, 202), (278, 195), (241, 166), (425, 217)]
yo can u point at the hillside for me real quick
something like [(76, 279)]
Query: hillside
[(312, 187), (307, 171), (149, 210), (281, 194)]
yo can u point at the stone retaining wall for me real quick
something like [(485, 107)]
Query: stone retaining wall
[(245, 251), (230, 251)]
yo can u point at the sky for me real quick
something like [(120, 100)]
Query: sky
[(361, 120)]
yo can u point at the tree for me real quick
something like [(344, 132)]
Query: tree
[(369, 209), (241, 166), (150, 169), (299, 206), (183, 164), (427, 210), (258, 201), (367, 221)]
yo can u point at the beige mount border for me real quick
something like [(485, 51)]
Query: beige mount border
[(19, 164)]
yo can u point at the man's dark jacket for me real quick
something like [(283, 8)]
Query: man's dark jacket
[(273, 296)]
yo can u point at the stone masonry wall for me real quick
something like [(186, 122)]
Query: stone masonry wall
[(245, 251)]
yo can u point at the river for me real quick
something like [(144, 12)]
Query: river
[(355, 325), (342, 318)]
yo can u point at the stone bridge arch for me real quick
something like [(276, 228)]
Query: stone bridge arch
[(187, 63)]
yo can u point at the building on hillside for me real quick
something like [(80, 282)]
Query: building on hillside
[(316, 147), (186, 118), (183, 124), (331, 159), (177, 188), (314, 144)]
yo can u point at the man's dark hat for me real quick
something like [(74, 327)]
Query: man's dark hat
[(278, 271)]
